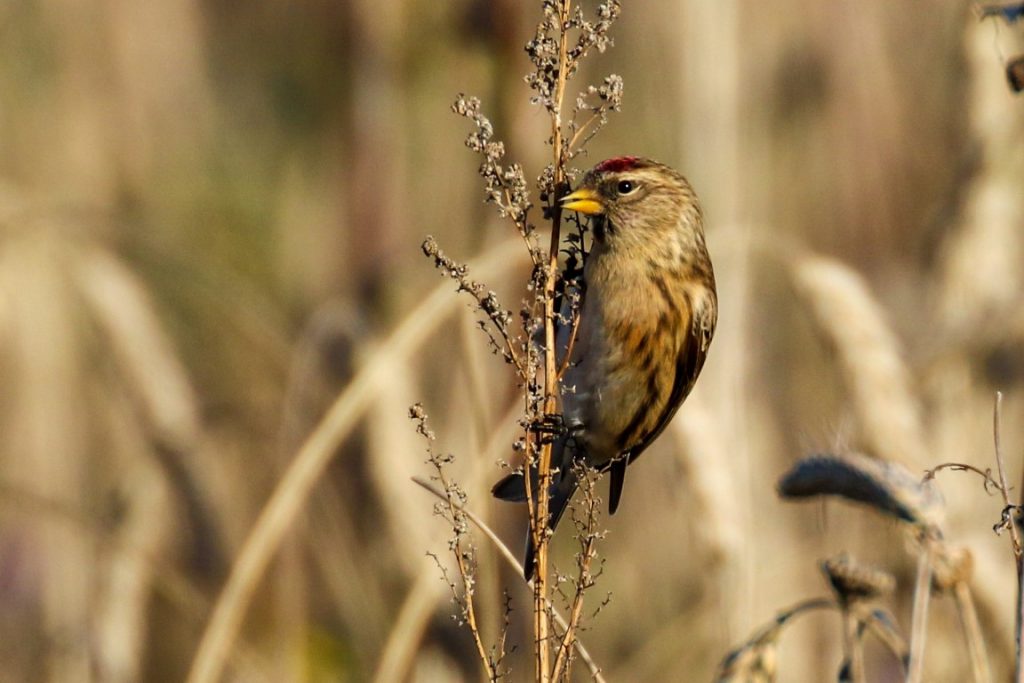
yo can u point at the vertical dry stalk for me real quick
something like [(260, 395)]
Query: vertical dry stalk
[(1010, 515), (972, 632), (1013, 513), (853, 646), (538, 521), (919, 619), (563, 38)]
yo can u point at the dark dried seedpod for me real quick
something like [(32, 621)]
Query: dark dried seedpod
[(854, 580), (1010, 12), (886, 486), (1015, 73)]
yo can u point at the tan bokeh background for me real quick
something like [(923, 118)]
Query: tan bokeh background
[(210, 219)]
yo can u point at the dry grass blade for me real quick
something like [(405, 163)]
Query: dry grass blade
[(510, 558), (850, 319), (972, 633), (292, 492), (919, 618), (888, 487), (404, 640), (143, 351)]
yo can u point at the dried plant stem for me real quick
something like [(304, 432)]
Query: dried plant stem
[(997, 416), (1019, 673), (539, 521), (997, 429), (510, 558), (919, 620), (584, 580), (972, 632), (853, 646), (463, 555), (313, 457)]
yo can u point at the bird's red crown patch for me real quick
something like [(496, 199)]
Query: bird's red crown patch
[(617, 165)]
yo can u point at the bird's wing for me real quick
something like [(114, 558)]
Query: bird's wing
[(692, 353)]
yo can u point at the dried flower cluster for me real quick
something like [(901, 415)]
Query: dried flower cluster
[(890, 489), (549, 54), (505, 185), (564, 36)]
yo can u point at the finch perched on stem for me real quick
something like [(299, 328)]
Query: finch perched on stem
[(646, 319)]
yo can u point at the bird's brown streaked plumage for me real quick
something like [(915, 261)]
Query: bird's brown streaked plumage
[(648, 314)]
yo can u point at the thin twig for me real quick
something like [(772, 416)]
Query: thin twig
[(594, 116), (510, 558), (589, 536), (985, 474), (574, 328), (464, 559), (997, 418)]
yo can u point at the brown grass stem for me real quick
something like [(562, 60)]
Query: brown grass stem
[(853, 646), (292, 492), (1019, 670), (997, 429), (1020, 595), (539, 521), (972, 633), (919, 619), (510, 558)]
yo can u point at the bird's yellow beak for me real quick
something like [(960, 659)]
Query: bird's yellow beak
[(583, 200)]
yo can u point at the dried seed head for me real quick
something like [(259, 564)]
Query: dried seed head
[(886, 486), (853, 581)]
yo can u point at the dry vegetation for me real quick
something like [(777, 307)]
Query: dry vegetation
[(215, 314)]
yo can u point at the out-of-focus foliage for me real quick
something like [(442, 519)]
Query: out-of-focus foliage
[(212, 211)]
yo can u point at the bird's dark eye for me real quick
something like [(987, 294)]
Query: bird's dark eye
[(625, 186)]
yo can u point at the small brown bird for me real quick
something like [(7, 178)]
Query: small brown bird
[(648, 314)]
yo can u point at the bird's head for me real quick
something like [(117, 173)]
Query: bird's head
[(632, 199)]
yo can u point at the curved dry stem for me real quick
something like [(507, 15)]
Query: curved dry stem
[(293, 490), (404, 639), (595, 670)]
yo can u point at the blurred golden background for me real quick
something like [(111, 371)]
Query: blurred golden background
[(210, 219)]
